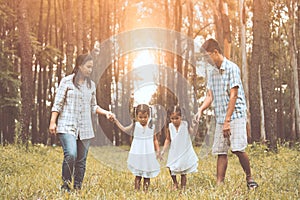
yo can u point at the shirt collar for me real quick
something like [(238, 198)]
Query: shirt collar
[(222, 68), (223, 64)]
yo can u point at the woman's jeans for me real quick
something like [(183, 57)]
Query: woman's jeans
[(75, 154)]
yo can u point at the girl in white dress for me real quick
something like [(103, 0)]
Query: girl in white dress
[(144, 151), (182, 158)]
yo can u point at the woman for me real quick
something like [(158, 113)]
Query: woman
[(74, 103)]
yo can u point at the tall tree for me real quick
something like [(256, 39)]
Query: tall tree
[(222, 24), (80, 25), (245, 70), (9, 81), (104, 84), (292, 38), (178, 56), (261, 58), (69, 35), (254, 88), (26, 70)]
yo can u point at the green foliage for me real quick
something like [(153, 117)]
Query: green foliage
[(35, 174), (9, 82)]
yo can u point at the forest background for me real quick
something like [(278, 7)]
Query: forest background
[(41, 38)]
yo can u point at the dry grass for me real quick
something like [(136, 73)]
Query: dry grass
[(35, 174)]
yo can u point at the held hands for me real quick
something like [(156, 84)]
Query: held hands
[(159, 155), (162, 153), (195, 124), (111, 116), (198, 115)]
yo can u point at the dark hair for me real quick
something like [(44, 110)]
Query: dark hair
[(143, 108), (173, 109), (81, 60), (210, 45)]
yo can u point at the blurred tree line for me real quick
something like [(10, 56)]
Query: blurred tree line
[(41, 38)]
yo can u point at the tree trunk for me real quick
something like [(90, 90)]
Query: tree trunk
[(226, 28), (92, 26), (80, 26), (254, 88), (189, 60), (26, 71), (218, 22), (178, 56), (104, 85), (293, 53), (45, 113), (85, 43), (245, 70), (69, 35), (263, 136), (261, 18), (222, 24)]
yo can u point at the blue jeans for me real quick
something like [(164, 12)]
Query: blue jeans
[(75, 154)]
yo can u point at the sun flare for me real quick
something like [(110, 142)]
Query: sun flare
[(144, 86)]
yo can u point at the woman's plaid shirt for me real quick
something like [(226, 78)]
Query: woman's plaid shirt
[(75, 107)]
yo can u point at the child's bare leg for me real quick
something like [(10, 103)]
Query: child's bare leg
[(174, 180), (146, 184), (137, 182), (183, 181)]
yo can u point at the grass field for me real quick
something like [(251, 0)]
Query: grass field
[(36, 174)]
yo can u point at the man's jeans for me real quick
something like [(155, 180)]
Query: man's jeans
[(75, 154)]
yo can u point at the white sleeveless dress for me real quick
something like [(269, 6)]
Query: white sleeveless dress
[(182, 158), (142, 157)]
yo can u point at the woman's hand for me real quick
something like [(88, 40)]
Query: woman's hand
[(52, 128), (111, 116)]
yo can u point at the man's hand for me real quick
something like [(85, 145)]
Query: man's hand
[(198, 115), (226, 129)]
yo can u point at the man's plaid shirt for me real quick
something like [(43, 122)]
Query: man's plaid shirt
[(75, 107), (220, 81)]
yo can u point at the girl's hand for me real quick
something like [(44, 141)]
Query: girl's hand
[(195, 122), (52, 128), (162, 153)]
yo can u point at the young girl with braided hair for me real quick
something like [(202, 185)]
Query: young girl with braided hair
[(182, 158), (144, 150)]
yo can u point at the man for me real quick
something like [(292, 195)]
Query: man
[(226, 90)]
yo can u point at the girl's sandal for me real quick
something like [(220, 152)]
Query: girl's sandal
[(252, 185)]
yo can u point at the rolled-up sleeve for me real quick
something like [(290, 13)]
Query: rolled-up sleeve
[(235, 80)]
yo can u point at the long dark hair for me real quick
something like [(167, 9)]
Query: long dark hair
[(81, 60), (143, 108)]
